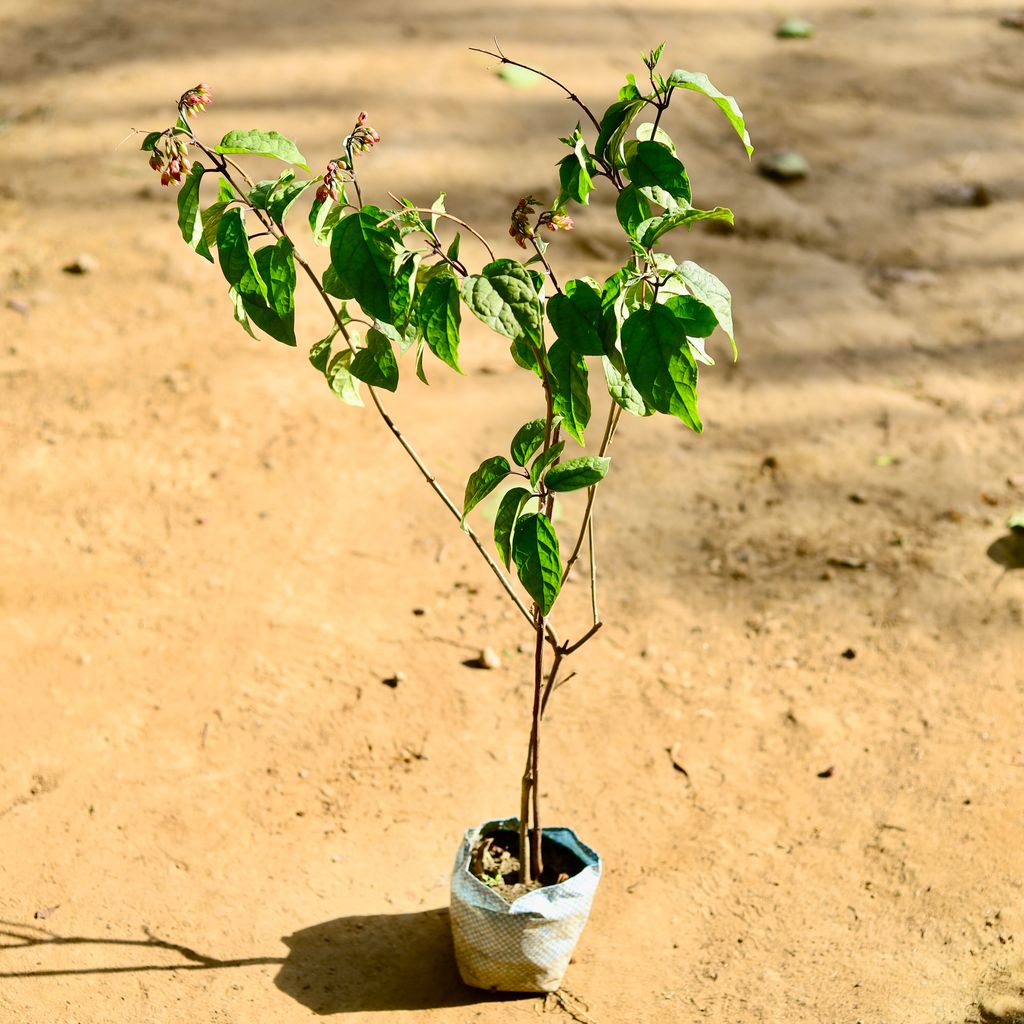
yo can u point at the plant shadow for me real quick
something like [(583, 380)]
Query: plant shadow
[(377, 962)]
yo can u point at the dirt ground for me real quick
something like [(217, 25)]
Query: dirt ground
[(212, 810)]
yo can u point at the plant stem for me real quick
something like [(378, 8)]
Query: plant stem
[(536, 857), (614, 412), (593, 568), (568, 92), (222, 163), (446, 216)]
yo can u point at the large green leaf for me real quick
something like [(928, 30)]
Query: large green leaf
[(529, 437), (440, 317), (651, 230), (575, 180), (699, 82), (569, 395), (320, 351), (482, 481), (633, 210), (363, 258), (403, 290), (535, 550), (706, 287), (190, 220), (512, 503), (276, 313), (658, 175), (259, 143), (235, 257), (615, 123), (698, 320), (660, 363), (505, 298), (376, 364), (621, 389), (541, 463), (575, 474), (576, 316)]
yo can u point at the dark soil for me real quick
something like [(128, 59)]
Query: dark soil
[(495, 861)]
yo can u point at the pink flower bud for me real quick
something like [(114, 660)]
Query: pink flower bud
[(361, 119)]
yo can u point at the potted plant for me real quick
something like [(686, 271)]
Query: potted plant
[(397, 282)]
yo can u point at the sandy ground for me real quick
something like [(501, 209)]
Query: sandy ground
[(212, 810)]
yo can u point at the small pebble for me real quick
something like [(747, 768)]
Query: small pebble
[(784, 166), (857, 498), (84, 263), (393, 681), (19, 306), (420, 611), (849, 654), (1013, 19), (488, 658), (827, 773), (964, 194), (794, 28)]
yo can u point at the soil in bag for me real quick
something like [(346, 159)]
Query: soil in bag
[(495, 861)]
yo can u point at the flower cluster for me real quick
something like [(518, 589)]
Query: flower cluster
[(363, 138), (521, 229), (170, 158), (329, 188), (196, 100)]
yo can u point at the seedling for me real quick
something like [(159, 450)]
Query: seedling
[(396, 286)]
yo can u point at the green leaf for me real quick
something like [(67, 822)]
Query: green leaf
[(323, 218), (646, 132), (505, 298), (363, 257), (489, 474), (277, 197), (575, 474), (403, 288), (620, 387), (320, 353), (376, 364), (613, 126), (535, 550), (512, 503), (440, 317), (529, 437), (274, 313), (697, 319), (257, 143), (341, 380), (632, 209), (709, 290), (150, 141), (211, 218), (570, 398), (576, 316), (658, 175), (541, 463), (236, 259), (699, 82), (651, 230), (190, 220), (660, 364), (332, 284), (241, 316), (574, 178), (453, 249)]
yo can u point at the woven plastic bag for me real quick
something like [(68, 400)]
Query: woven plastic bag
[(524, 946)]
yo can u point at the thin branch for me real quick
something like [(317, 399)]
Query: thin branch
[(544, 261), (593, 569), (439, 213), (554, 81), (278, 231), (568, 649), (614, 411)]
